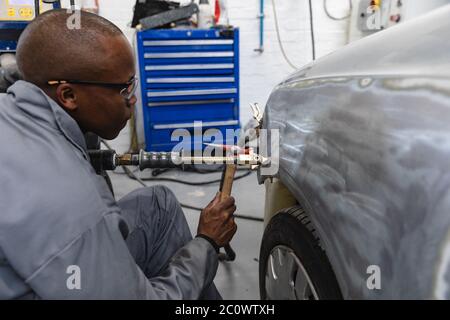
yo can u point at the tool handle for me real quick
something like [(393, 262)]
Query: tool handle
[(102, 159), (155, 160), (230, 254), (227, 181), (225, 192)]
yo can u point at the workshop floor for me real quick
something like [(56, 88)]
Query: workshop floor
[(235, 280)]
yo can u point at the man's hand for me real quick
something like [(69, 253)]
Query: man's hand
[(217, 221)]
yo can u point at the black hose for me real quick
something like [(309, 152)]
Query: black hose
[(37, 7), (189, 183), (200, 169), (132, 176)]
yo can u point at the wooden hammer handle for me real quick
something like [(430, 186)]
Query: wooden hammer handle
[(228, 180), (225, 192)]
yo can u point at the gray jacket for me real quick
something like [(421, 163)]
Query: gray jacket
[(55, 213)]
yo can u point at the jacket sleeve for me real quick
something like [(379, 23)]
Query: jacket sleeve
[(98, 265)]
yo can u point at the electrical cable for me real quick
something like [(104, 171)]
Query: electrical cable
[(277, 29), (38, 7), (133, 176), (311, 21), (189, 183), (195, 168), (329, 15)]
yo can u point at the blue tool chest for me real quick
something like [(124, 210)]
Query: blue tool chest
[(188, 76)]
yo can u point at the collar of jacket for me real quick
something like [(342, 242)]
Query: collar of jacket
[(43, 109)]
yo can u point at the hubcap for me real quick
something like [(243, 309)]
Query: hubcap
[(286, 278)]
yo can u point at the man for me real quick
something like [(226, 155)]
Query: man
[(62, 235)]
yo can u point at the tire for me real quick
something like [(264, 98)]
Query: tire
[(292, 264)]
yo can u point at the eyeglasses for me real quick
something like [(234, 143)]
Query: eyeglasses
[(127, 89)]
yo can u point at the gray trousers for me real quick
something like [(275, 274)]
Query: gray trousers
[(158, 228)]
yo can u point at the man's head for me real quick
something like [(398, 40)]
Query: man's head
[(98, 52)]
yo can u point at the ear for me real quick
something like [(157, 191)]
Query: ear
[(66, 96)]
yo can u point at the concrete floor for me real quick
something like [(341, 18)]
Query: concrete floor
[(235, 280)]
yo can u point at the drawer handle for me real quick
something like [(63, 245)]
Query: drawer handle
[(192, 102), (190, 92), (191, 80), (161, 43), (223, 54), (191, 66), (193, 125)]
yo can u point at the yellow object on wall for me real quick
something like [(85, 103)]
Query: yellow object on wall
[(17, 10), (26, 13), (11, 12)]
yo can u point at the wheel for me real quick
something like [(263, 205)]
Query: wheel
[(292, 264)]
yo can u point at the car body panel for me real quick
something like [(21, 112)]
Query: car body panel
[(365, 148)]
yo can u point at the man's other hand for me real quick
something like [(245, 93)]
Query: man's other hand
[(217, 221)]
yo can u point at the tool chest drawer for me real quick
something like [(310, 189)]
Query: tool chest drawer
[(164, 134), (187, 76)]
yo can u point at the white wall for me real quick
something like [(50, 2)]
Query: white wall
[(261, 72)]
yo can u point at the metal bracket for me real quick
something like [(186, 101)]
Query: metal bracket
[(257, 114)]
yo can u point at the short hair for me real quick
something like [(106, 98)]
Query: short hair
[(48, 49)]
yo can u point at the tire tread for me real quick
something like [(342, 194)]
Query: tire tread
[(280, 231)]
